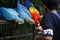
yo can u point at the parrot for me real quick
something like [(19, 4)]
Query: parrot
[(10, 14), (35, 15), (24, 13)]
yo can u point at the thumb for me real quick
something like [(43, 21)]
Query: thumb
[(39, 28)]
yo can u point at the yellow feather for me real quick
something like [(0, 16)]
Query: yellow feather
[(32, 9)]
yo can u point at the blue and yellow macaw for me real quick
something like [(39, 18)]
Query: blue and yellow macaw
[(10, 14), (24, 13)]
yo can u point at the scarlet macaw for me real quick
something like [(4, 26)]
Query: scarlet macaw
[(33, 11)]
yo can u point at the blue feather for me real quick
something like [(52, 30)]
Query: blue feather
[(14, 12), (10, 14), (6, 14), (23, 12), (23, 8), (28, 4)]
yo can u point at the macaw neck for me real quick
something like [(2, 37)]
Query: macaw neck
[(18, 4), (18, 1)]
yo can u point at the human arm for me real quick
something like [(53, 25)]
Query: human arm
[(47, 25)]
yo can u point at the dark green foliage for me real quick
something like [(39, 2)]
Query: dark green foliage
[(8, 3)]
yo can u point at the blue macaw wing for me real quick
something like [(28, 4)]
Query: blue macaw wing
[(19, 19), (19, 6), (16, 15), (25, 16), (23, 12), (13, 12), (26, 11), (7, 14)]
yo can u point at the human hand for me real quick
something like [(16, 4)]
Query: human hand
[(39, 28)]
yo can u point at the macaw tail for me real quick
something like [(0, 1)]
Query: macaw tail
[(19, 20)]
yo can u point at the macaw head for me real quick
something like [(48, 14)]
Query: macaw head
[(33, 10), (28, 4), (19, 5)]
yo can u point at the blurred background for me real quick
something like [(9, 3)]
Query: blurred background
[(17, 31)]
